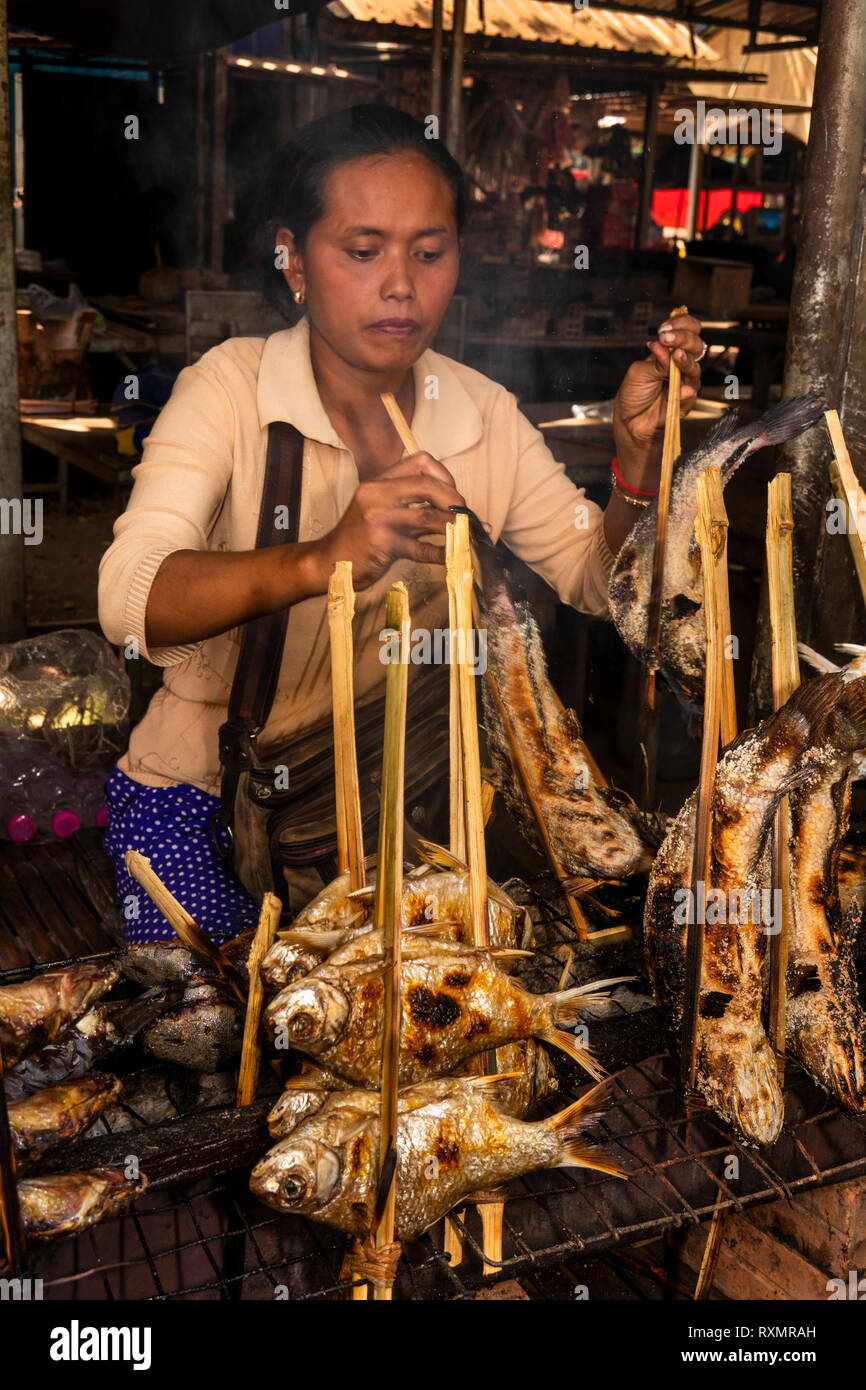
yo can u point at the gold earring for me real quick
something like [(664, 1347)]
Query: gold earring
[(299, 296)]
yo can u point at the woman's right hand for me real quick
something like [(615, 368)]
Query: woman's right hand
[(387, 515)]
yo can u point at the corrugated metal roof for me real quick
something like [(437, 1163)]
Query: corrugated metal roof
[(542, 22), (773, 16)]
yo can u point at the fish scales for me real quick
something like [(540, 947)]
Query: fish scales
[(452, 1139), (736, 1071), (682, 636), (454, 1005)]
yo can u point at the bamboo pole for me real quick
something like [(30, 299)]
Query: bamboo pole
[(457, 819), (849, 491), (786, 678), (710, 530), (670, 452), (251, 1051), (721, 673), (387, 903), (350, 833), (179, 919)]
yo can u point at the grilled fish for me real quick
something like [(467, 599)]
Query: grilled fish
[(736, 1070), (595, 830), (49, 1117), (111, 1025), (431, 897), (64, 1204), (851, 879), (454, 1004), (172, 963), (452, 1139), (682, 637), (33, 1011), (203, 1031), (526, 1077), (825, 1023)]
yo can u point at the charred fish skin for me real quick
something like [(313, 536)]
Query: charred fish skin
[(825, 1022), (736, 1071), (682, 639), (454, 1005), (204, 1031), (452, 1139), (595, 830), (34, 1011), (65, 1204), (49, 1117)]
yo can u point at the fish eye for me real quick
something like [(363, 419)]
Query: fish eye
[(303, 1025), (294, 1187)]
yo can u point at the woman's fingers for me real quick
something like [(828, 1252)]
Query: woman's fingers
[(418, 521), (401, 490), (418, 463)]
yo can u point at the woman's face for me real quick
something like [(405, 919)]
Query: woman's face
[(380, 265)]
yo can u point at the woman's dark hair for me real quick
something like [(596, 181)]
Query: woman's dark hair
[(293, 195)]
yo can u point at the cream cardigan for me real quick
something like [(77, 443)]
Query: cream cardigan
[(198, 487)]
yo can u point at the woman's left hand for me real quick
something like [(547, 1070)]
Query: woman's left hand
[(641, 402)]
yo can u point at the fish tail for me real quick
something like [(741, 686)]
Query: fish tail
[(810, 705), (849, 726), (569, 1125), (816, 660), (584, 1056), (788, 419), (567, 1005)]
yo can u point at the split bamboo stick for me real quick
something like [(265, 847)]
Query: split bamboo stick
[(457, 819), (179, 919), (350, 834), (848, 490), (710, 530), (251, 1052), (387, 907), (786, 678)]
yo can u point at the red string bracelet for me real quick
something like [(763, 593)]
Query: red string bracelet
[(627, 487)]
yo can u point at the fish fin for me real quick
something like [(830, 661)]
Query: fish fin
[(434, 929), (317, 940), (852, 648), (570, 1122), (781, 422), (578, 1155), (506, 954), (812, 701), (437, 856), (816, 660), (567, 1005), (367, 891), (582, 1055)]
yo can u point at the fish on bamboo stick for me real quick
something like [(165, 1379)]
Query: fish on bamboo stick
[(453, 1139), (33, 1012), (65, 1204), (42, 1121)]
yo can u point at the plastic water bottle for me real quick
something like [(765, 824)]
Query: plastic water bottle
[(41, 800)]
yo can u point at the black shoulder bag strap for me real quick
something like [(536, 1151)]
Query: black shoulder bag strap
[(261, 654)]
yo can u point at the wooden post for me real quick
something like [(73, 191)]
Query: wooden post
[(350, 834), (436, 60), (387, 903), (455, 88), (710, 531), (648, 164), (201, 154), (251, 1051), (12, 615), (786, 678)]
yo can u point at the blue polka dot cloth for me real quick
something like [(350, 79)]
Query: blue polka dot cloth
[(172, 827)]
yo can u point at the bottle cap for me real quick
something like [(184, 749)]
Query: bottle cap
[(65, 823), (20, 828)]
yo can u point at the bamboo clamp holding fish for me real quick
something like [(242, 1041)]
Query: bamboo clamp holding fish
[(670, 452), (786, 678), (181, 922), (849, 492), (350, 835), (251, 1051)]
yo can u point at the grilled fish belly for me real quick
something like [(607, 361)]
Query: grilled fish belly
[(64, 1204), (825, 1023), (33, 1012), (49, 1117)]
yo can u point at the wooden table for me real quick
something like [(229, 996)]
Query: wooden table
[(78, 443)]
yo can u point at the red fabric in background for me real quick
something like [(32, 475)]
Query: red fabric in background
[(670, 206)]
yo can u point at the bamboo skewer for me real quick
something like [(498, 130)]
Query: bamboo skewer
[(251, 1052), (457, 819), (849, 491), (387, 907), (350, 833), (786, 678), (670, 452), (710, 530), (179, 919), (398, 420)]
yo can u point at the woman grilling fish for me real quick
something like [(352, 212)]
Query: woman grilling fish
[(366, 214)]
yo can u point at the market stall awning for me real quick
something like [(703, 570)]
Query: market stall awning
[(799, 19), (541, 21), (159, 29)]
